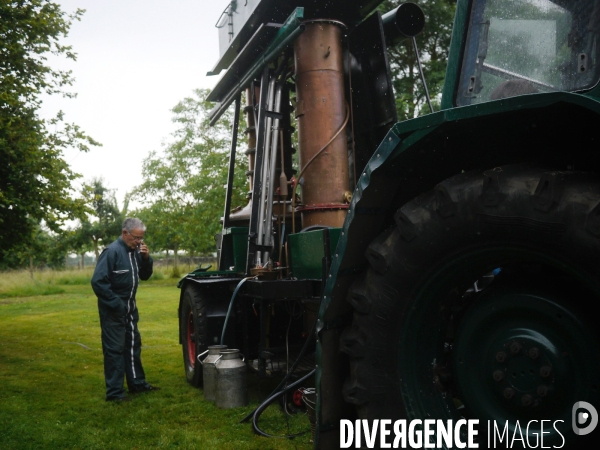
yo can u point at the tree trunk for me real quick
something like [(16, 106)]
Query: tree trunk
[(31, 267), (82, 261), (190, 260), (96, 251)]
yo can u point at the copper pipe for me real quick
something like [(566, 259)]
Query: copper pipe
[(282, 197), (320, 110), (251, 132)]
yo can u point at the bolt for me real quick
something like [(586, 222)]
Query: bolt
[(526, 400), (500, 356), (515, 347), (542, 390), (545, 371), (534, 352), (498, 375), (508, 393)]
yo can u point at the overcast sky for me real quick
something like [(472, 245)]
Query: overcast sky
[(136, 60)]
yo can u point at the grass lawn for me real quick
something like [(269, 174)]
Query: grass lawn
[(52, 384)]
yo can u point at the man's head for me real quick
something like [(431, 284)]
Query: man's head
[(133, 231)]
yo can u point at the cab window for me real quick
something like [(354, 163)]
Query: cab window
[(517, 47)]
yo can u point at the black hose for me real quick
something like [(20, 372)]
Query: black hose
[(231, 307), (270, 400), (291, 371)]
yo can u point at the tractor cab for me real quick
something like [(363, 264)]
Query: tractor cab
[(517, 47)]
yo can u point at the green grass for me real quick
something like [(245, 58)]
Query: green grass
[(52, 385)]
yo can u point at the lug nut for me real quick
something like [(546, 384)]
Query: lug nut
[(515, 347), (498, 375), (545, 371), (542, 390), (534, 352), (526, 400), (500, 356), (508, 393)]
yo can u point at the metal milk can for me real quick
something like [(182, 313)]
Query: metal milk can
[(232, 386), (209, 373)]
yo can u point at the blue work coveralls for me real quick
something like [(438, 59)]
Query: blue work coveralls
[(115, 281)]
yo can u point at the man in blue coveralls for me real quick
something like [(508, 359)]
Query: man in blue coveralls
[(118, 271)]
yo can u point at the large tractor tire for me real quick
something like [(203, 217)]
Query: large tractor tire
[(193, 333), (479, 304)]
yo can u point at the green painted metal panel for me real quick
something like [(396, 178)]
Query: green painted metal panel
[(235, 245), (307, 251), (455, 53)]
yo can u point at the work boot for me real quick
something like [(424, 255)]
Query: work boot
[(144, 388)]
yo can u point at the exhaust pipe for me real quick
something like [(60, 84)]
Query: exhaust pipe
[(404, 22)]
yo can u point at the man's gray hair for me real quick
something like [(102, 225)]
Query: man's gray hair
[(131, 223)]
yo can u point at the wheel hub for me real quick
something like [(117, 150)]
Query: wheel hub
[(523, 374), (514, 351)]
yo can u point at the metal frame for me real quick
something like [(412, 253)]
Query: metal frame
[(258, 163)]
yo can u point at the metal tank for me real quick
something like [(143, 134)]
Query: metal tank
[(209, 372), (232, 385)]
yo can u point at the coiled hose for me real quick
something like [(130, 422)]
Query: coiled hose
[(270, 400), (291, 371)]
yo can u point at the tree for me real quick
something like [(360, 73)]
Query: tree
[(105, 225), (35, 181), (433, 44), (79, 240), (184, 184), (44, 249)]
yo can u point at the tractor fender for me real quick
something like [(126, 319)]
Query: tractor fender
[(554, 130)]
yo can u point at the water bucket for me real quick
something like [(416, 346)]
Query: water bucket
[(209, 373), (232, 386)]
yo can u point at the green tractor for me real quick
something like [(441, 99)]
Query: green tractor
[(445, 267)]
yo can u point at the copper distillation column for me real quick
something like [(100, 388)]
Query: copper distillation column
[(251, 97), (322, 112)]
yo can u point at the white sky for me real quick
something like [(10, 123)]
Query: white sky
[(136, 60)]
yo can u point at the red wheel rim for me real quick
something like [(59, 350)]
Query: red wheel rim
[(191, 344)]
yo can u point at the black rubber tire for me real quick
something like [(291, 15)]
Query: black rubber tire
[(194, 337), (541, 226)]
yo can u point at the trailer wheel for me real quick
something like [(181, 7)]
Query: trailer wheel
[(193, 334), (479, 302)]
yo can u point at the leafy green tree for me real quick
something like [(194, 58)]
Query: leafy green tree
[(35, 181), (80, 240), (105, 225), (44, 249), (433, 44), (184, 184)]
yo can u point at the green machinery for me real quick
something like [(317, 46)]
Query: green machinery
[(444, 267)]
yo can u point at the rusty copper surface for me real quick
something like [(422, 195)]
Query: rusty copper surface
[(321, 111), (251, 132), (330, 218)]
